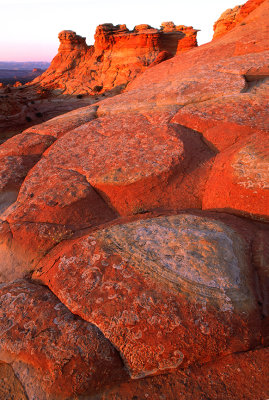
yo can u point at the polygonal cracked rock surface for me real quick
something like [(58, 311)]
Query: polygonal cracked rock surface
[(118, 150), (226, 120), (59, 196), (167, 291), (51, 350), (242, 376), (26, 144), (239, 179), (184, 250), (135, 164)]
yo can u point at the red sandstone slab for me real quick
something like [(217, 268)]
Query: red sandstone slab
[(135, 165), (54, 353), (23, 244), (59, 196), (26, 144), (167, 292), (164, 86), (242, 376), (224, 121), (13, 170), (239, 179)]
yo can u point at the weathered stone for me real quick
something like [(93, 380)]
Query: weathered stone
[(149, 283), (59, 196), (224, 121), (58, 126), (174, 290), (233, 17), (133, 164), (10, 386), (62, 354), (239, 179), (26, 144), (23, 244), (240, 376), (117, 57), (13, 170)]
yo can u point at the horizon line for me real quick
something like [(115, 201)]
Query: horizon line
[(31, 61)]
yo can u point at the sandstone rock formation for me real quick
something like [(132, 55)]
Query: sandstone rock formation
[(167, 276), (232, 17), (134, 232), (117, 57), (238, 376), (42, 335), (80, 75), (243, 171)]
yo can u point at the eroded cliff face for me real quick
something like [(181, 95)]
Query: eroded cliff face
[(117, 57), (234, 16), (91, 72), (134, 235)]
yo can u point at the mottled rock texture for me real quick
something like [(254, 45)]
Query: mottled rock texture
[(237, 377), (233, 16), (10, 386), (149, 283), (118, 157), (134, 232), (66, 355), (239, 180)]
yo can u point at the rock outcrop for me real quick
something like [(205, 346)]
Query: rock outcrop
[(160, 278), (81, 75), (42, 336), (134, 232), (117, 57), (234, 16)]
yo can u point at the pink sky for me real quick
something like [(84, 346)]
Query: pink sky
[(29, 28)]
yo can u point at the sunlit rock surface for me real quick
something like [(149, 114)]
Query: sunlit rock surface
[(65, 355), (116, 58)]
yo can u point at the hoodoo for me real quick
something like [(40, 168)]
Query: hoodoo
[(117, 57)]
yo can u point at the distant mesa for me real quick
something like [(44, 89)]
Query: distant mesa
[(12, 72)]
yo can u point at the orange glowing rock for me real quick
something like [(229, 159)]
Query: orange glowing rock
[(117, 57)]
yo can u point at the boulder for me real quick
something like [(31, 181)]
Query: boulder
[(147, 284), (135, 165)]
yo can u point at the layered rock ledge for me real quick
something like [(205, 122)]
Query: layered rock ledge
[(116, 58)]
